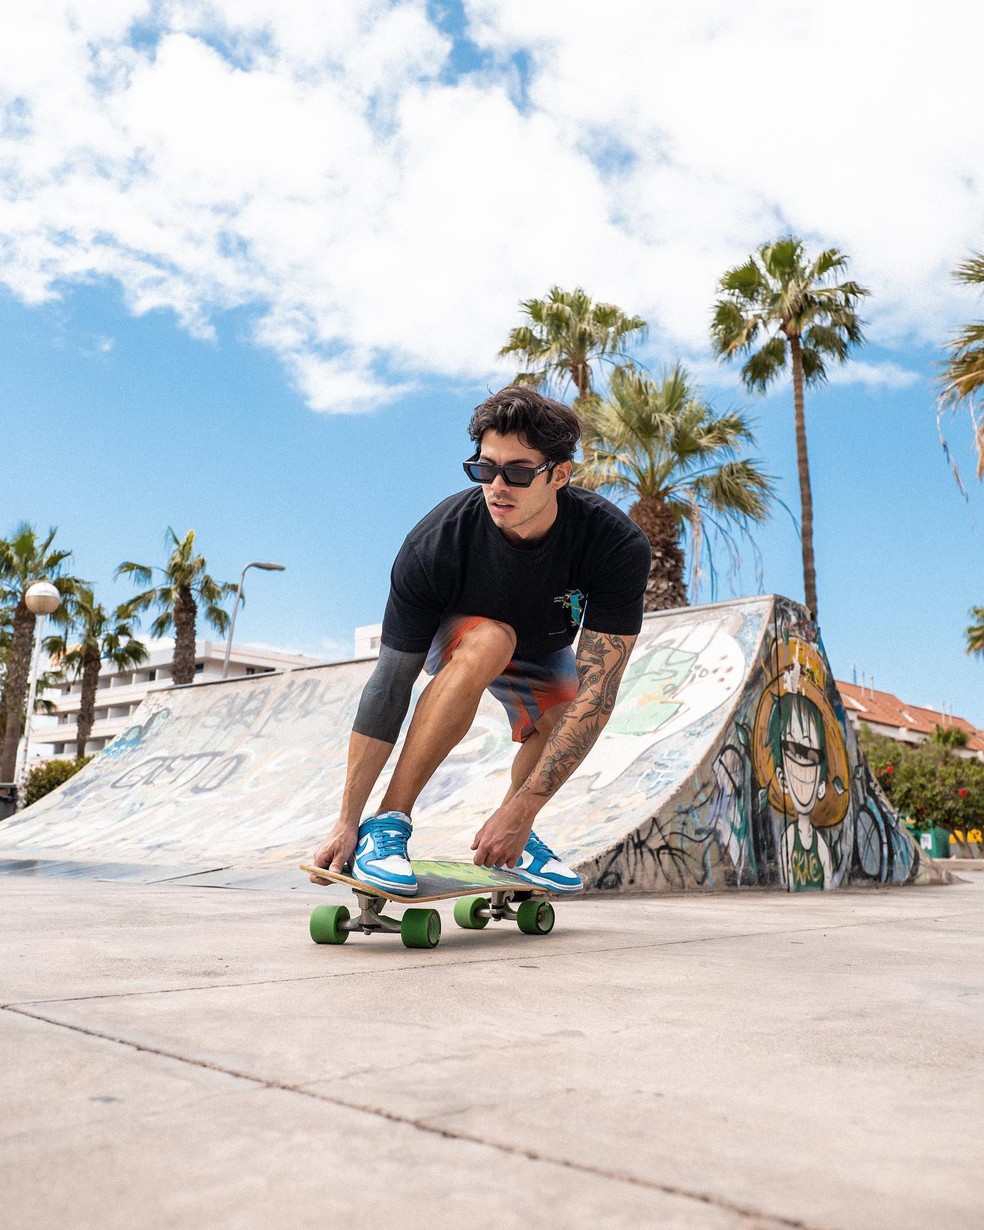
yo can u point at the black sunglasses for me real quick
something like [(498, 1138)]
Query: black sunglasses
[(801, 753), (514, 476)]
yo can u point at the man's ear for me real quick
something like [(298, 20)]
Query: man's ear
[(562, 474)]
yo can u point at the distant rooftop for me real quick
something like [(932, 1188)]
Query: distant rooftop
[(884, 709)]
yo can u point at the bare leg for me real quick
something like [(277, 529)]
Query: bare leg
[(530, 750), (447, 709)]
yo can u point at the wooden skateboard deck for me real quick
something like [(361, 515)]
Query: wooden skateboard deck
[(438, 880)]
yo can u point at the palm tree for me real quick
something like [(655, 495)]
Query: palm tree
[(950, 738), (796, 314), (97, 637), (24, 559), (565, 335), (975, 632), (185, 587), (675, 456), (961, 381), (963, 377)]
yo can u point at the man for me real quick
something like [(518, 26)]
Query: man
[(489, 591)]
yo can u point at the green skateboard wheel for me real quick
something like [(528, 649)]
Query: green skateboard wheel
[(466, 913), (535, 917), (325, 924), (420, 928)]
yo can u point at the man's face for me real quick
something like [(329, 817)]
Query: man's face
[(523, 514), (800, 772)]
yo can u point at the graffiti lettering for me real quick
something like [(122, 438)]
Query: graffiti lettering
[(207, 770), (806, 868)]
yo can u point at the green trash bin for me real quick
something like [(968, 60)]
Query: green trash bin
[(940, 846)]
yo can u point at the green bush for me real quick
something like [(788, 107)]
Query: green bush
[(49, 775), (928, 783)]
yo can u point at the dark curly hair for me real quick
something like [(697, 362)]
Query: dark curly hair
[(540, 422)]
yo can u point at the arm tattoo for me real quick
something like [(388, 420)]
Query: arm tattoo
[(558, 763), (601, 660)]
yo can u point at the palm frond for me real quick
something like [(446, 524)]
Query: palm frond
[(971, 270), (814, 369), (141, 573), (975, 631), (738, 489), (766, 364)]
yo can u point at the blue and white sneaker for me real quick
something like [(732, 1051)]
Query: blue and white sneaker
[(380, 857), (540, 866)]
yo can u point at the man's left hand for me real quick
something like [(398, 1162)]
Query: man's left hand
[(501, 839)]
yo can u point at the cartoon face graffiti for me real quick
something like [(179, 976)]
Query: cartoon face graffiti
[(799, 751), (798, 746)]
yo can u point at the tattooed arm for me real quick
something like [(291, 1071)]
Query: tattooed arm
[(601, 661)]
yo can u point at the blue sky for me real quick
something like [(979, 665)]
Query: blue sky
[(254, 272)]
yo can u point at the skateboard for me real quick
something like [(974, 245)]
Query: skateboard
[(436, 881)]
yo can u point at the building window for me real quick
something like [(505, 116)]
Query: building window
[(199, 667)]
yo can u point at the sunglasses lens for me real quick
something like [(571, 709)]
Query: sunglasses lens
[(517, 476), (479, 473), (800, 753)]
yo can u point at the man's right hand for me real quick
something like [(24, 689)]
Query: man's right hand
[(336, 851)]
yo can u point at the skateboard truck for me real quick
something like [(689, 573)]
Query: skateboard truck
[(370, 919), (497, 909)]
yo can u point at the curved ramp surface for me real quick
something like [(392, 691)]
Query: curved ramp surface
[(728, 762)]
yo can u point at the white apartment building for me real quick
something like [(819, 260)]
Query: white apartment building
[(119, 693), (367, 640)]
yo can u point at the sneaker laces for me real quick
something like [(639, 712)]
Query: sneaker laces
[(538, 848), (389, 840)]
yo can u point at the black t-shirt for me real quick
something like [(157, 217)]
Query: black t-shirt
[(593, 564)]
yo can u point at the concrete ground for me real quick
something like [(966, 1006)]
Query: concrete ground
[(186, 1057)]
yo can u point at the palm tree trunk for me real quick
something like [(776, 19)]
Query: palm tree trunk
[(806, 493), (582, 378), (87, 705), (185, 610), (15, 689), (666, 587)]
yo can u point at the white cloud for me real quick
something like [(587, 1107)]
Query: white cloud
[(383, 220), (874, 375)]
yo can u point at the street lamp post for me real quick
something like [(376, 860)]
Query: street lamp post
[(41, 599), (235, 609)]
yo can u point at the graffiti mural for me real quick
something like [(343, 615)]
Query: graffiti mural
[(727, 763), (785, 800)]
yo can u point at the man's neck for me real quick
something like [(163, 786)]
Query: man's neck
[(525, 538)]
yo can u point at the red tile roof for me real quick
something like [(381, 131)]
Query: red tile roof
[(884, 709)]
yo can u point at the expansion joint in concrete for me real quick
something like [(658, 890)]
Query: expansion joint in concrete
[(759, 1220)]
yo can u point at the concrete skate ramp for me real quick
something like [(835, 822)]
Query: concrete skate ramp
[(728, 762)]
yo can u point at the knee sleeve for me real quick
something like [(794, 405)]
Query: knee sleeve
[(386, 697)]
